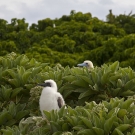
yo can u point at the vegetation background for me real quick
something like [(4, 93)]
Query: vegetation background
[(100, 101), (72, 38)]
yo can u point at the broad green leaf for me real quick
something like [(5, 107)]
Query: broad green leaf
[(3, 117), (121, 128), (69, 78), (18, 59), (98, 131), (86, 94), (87, 122), (71, 111), (70, 121), (12, 73), (127, 93), (24, 60), (127, 104), (119, 83), (21, 114), (105, 78), (115, 77), (86, 79), (11, 122), (5, 92), (97, 121), (119, 132), (130, 85), (122, 113), (20, 70), (65, 127), (114, 67), (62, 111), (57, 133), (95, 77), (66, 93), (86, 132), (133, 131), (25, 77), (12, 109), (79, 90), (7, 132), (15, 82), (55, 126), (79, 127), (80, 83), (15, 92), (115, 92), (108, 124)]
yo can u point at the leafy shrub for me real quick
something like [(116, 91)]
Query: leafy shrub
[(107, 118), (101, 83), (19, 96), (18, 75)]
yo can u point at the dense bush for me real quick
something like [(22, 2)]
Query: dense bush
[(107, 118), (99, 101), (72, 38)]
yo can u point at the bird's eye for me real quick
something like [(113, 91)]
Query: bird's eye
[(47, 84), (87, 63)]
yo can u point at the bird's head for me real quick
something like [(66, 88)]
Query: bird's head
[(49, 83), (86, 63)]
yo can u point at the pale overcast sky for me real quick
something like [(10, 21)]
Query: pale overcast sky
[(34, 10)]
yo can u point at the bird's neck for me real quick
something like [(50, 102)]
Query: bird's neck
[(49, 90)]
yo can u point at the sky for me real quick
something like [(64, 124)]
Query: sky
[(34, 10)]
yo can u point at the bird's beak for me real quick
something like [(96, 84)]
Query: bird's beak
[(42, 84), (47, 84), (82, 65)]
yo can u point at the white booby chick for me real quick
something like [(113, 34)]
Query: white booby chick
[(50, 99), (86, 63)]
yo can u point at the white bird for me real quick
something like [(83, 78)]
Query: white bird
[(50, 99), (86, 63)]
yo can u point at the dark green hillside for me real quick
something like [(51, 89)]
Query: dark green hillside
[(72, 38)]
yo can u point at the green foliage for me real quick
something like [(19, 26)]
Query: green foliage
[(100, 101), (112, 118), (98, 84), (72, 38), (18, 75), (12, 114)]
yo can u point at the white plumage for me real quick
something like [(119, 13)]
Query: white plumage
[(50, 99), (86, 63)]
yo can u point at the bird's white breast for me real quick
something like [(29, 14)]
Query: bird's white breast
[(48, 100)]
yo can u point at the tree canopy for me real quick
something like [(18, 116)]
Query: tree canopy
[(72, 38)]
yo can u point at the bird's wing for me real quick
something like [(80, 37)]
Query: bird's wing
[(60, 102)]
